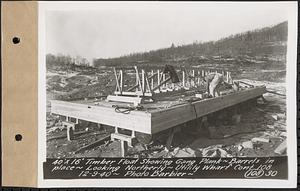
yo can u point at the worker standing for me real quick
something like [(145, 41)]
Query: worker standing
[(213, 83)]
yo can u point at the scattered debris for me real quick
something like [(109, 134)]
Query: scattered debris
[(283, 134), (247, 144), (275, 117), (281, 148), (94, 144), (222, 153), (240, 147), (187, 152), (139, 148), (265, 129), (260, 139), (160, 154), (214, 151)]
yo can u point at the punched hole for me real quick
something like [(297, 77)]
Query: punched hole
[(16, 40), (18, 137)]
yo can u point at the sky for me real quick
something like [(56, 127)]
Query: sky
[(105, 31)]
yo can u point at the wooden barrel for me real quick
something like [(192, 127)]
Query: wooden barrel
[(143, 138)]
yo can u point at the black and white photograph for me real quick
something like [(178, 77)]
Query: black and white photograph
[(167, 90)]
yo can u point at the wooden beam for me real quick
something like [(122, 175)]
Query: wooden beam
[(124, 148), (199, 78), (122, 137), (143, 81), (250, 85), (227, 76), (124, 99), (171, 135), (121, 80), (193, 79), (281, 148), (133, 87), (136, 120), (117, 80), (158, 77), (94, 144), (138, 79), (152, 80), (148, 83), (153, 120), (161, 84), (183, 78), (186, 112), (137, 93)]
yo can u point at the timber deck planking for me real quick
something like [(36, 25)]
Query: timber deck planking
[(154, 117)]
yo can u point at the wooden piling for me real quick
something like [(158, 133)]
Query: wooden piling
[(121, 81), (152, 80), (143, 81), (164, 78), (124, 148), (199, 77), (70, 133), (183, 79), (158, 77)]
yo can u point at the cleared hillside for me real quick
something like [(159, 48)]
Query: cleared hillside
[(268, 43)]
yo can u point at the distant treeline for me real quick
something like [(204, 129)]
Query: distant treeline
[(261, 42), (64, 63)]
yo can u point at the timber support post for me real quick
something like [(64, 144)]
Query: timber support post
[(125, 141), (70, 129), (172, 132), (124, 148), (70, 133)]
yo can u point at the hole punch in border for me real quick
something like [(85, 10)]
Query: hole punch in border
[(16, 40), (18, 137)]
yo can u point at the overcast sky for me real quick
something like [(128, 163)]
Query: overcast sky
[(114, 31)]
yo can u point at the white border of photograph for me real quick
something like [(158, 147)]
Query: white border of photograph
[(292, 9)]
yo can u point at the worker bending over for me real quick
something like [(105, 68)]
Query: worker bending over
[(214, 81)]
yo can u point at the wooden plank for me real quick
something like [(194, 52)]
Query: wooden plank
[(143, 81), (158, 77), (199, 78), (161, 84), (152, 80), (136, 120), (153, 121), (164, 79), (133, 87), (122, 137), (183, 78), (137, 93), (152, 75), (93, 144), (117, 80), (75, 134), (147, 83), (281, 149), (125, 99), (171, 135), (242, 82), (121, 80), (138, 79)]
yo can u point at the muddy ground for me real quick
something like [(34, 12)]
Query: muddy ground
[(260, 130)]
